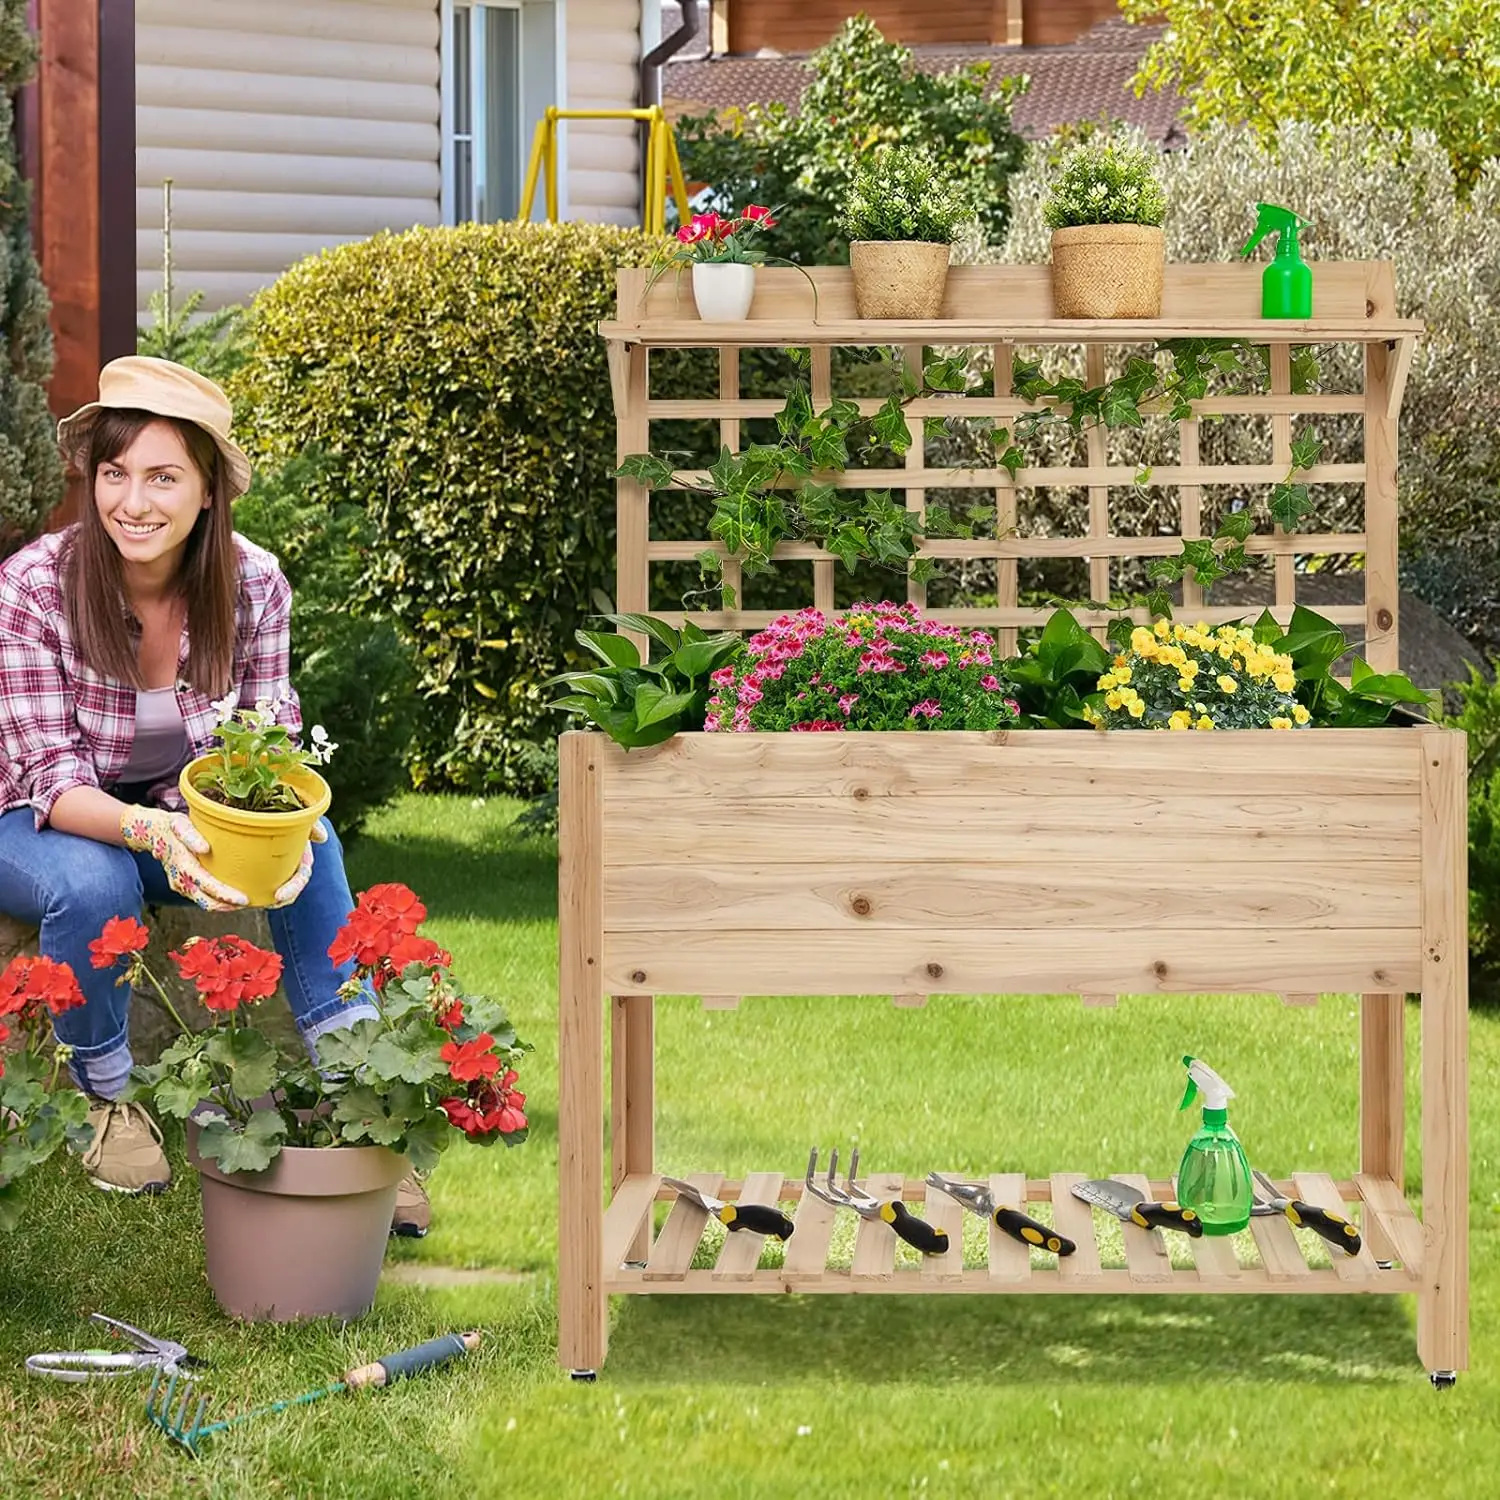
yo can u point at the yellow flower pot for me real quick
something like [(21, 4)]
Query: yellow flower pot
[(255, 852)]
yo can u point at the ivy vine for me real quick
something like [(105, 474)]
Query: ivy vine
[(770, 493)]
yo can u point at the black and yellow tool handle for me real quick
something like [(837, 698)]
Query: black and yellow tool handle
[(1150, 1215), (1031, 1231), (758, 1218), (917, 1233), (1334, 1228)]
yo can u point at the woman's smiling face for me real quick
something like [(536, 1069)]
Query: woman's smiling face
[(149, 498)]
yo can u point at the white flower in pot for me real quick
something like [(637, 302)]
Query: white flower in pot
[(901, 217), (1105, 212)]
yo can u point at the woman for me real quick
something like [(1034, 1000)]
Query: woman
[(117, 635)]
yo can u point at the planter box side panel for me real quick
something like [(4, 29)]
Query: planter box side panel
[(1033, 863)]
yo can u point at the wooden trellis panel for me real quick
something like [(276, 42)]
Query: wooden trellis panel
[(1005, 307)]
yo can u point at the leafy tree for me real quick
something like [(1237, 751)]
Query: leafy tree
[(1388, 63), (31, 476), (864, 92)]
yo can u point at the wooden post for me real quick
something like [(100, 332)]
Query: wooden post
[(632, 1098), (582, 1309), (1443, 1303), (1382, 1019)]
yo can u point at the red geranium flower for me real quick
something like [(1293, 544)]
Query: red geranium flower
[(488, 1109), (410, 948), (471, 1059), (453, 1017), (121, 937), (228, 971), (31, 980), (382, 916)]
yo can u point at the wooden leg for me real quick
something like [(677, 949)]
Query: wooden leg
[(632, 1100), (1382, 1101), (582, 1308), (1443, 1304)]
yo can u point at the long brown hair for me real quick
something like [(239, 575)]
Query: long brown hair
[(207, 578)]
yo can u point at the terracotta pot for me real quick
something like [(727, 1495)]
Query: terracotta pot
[(723, 291), (899, 278), (1107, 271), (303, 1239), (255, 852)]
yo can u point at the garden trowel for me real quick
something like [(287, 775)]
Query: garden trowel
[(1126, 1204)]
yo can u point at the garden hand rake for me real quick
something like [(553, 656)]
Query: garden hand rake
[(917, 1233), (189, 1434)]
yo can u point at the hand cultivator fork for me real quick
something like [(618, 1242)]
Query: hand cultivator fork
[(917, 1233)]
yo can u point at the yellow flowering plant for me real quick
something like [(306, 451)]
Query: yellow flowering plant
[(1192, 677)]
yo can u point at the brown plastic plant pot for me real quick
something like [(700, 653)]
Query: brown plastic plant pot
[(303, 1239)]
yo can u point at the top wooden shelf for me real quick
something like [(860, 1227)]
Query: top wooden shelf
[(1353, 302)]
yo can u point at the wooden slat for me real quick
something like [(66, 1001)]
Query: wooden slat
[(820, 376), (632, 499), (1100, 1002), (946, 1213), (875, 1241), (1007, 576), (1089, 474), (1386, 1208), (1281, 456), (1074, 1218), (1299, 544), (1279, 1251), (1190, 503), (994, 618), (1030, 763), (807, 1250), (913, 357), (721, 1002), (1382, 582), (909, 1001), (1146, 1256), (1214, 1255), (1302, 1001), (628, 1213), (680, 1236), (731, 575), (632, 1088), (1098, 460), (1014, 302), (741, 1253), (1050, 960), (1010, 1260), (1242, 826), (1003, 405), (1318, 1189), (1382, 1102)]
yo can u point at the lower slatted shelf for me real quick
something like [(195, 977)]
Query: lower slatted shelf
[(821, 1256)]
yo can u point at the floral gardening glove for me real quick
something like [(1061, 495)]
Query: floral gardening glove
[(288, 893), (175, 844)]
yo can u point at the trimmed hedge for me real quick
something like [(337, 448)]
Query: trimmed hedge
[(456, 385)]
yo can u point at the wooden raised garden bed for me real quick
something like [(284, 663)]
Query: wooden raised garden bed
[(1020, 862)]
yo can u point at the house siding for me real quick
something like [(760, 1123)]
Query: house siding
[(805, 25), (286, 126), (603, 156)]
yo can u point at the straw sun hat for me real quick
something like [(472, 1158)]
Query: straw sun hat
[(139, 383)]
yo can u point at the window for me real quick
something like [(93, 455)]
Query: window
[(501, 61)]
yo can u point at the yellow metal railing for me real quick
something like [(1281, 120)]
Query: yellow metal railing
[(662, 164)]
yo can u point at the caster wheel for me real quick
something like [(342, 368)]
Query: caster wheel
[(588, 1377), (1384, 1265), (1444, 1380)]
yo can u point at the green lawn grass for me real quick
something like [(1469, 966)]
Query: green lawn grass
[(786, 1396)]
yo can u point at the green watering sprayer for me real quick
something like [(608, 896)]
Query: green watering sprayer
[(1214, 1178), (1286, 284)]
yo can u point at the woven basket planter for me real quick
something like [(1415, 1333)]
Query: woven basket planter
[(898, 278), (1107, 271)]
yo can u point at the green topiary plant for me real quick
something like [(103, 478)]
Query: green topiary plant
[(1102, 181), (456, 381), (31, 475), (903, 193)]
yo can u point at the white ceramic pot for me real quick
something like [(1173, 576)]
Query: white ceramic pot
[(723, 291)]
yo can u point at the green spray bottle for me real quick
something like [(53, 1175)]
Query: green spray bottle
[(1286, 284), (1214, 1177)]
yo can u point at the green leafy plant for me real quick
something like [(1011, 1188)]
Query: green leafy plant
[(1103, 181), (1315, 644), (37, 1115), (864, 92), (643, 703), (902, 192), (1058, 673), (434, 1059), (249, 769)]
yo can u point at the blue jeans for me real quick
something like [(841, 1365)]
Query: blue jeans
[(70, 886)]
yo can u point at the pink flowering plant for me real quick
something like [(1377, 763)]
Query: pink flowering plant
[(712, 239), (877, 666)]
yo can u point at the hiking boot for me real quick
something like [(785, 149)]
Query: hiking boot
[(413, 1212), (125, 1155)]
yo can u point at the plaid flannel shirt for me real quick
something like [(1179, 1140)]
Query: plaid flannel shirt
[(64, 725)]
